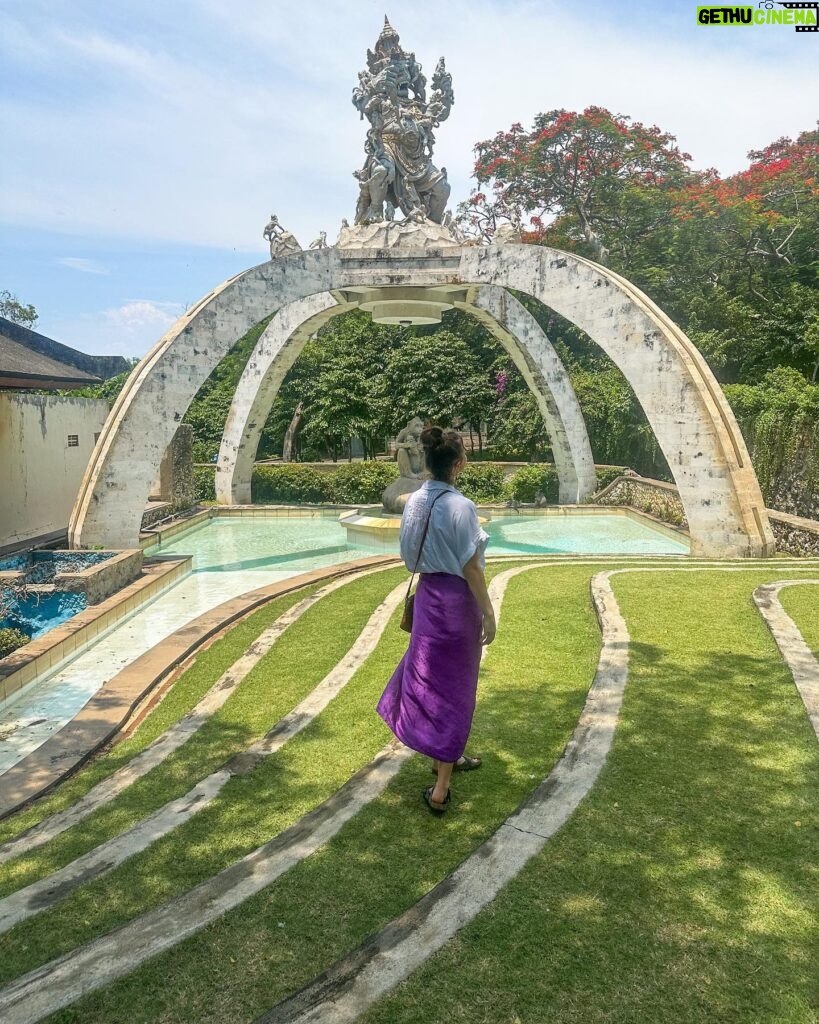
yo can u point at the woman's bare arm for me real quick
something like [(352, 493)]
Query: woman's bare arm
[(476, 580)]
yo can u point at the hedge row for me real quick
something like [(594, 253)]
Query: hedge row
[(362, 483)]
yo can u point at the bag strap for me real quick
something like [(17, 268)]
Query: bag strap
[(421, 548)]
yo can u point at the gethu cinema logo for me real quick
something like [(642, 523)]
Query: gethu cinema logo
[(803, 16)]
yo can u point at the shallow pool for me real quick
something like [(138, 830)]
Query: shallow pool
[(301, 543), (580, 534)]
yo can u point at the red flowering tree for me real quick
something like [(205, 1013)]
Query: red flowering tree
[(576, 178), (756, 229)]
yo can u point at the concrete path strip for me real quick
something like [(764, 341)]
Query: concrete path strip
[(363, 977), (173, 737), (60, 982), (798, 656), (46, 892)]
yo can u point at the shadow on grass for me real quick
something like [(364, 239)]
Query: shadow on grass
[(683, 890)]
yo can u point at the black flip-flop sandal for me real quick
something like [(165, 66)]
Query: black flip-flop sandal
[(433, 805)]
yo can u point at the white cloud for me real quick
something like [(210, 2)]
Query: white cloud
[(126, 330), (140, 315), (228, 112), (83, 265)]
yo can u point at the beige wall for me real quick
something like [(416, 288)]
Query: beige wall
[(39, 474)]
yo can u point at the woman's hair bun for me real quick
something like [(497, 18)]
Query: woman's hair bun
[(432, 437), (442, 450)]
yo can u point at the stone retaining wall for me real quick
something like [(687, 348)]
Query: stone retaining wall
[(100, 581), (794, 535), (652, 496)]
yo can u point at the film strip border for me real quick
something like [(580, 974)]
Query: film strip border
[(803, 7)]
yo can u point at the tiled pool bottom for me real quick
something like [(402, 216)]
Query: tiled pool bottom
[(236, 554)]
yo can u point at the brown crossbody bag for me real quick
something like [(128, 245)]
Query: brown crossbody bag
[(409, 600)]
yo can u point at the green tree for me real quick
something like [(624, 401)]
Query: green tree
[(18, 312), (438, 377)]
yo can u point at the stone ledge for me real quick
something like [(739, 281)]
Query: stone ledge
[(110, 707), (797, 522), (654, 498)]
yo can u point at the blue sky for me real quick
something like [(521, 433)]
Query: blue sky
[(147, 143)]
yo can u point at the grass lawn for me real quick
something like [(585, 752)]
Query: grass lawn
[(684, 889)]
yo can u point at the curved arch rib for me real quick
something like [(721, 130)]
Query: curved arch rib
[(275, 352), (285, 336), (534, 355), (682, 400)]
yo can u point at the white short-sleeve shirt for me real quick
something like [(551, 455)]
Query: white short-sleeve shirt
[(454, 531)]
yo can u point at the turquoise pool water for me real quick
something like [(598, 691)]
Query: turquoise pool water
[(579, 534), (297, 543), (35, 613)]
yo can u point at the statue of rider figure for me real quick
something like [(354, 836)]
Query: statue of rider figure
[(398, 169)]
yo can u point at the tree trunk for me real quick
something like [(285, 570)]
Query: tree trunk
[(290, 434), (480, 440)]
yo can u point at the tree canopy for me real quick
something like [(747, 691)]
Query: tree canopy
[(19, 312)]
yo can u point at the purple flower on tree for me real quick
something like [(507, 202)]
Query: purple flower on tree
[(501, 381)]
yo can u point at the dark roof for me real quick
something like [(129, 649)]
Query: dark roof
[(20, 367), (101, 367)]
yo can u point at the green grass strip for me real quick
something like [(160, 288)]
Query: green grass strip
[(802, 604), (532, 688), (684, 888), (299, 660), (186, 692)]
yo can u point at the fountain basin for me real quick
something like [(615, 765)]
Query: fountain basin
[(375, 529)]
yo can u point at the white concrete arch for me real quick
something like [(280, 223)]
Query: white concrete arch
[(682, 400), (275, 352), (283, 339), (542, 368)]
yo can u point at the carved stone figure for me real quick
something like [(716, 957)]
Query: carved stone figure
[(398, 169), (281, 241), (320, 242), (506, 233), (409, 451), (410, 458)]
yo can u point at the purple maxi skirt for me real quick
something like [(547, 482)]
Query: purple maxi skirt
[(430, 700)]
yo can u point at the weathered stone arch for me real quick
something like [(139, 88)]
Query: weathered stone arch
[(283, 339), (543, 370), (275, 352), (683, 402)]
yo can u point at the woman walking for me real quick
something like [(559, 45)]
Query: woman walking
[(430, 699)]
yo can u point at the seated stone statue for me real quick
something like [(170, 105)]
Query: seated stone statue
[(410, 452), (410, 459)]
